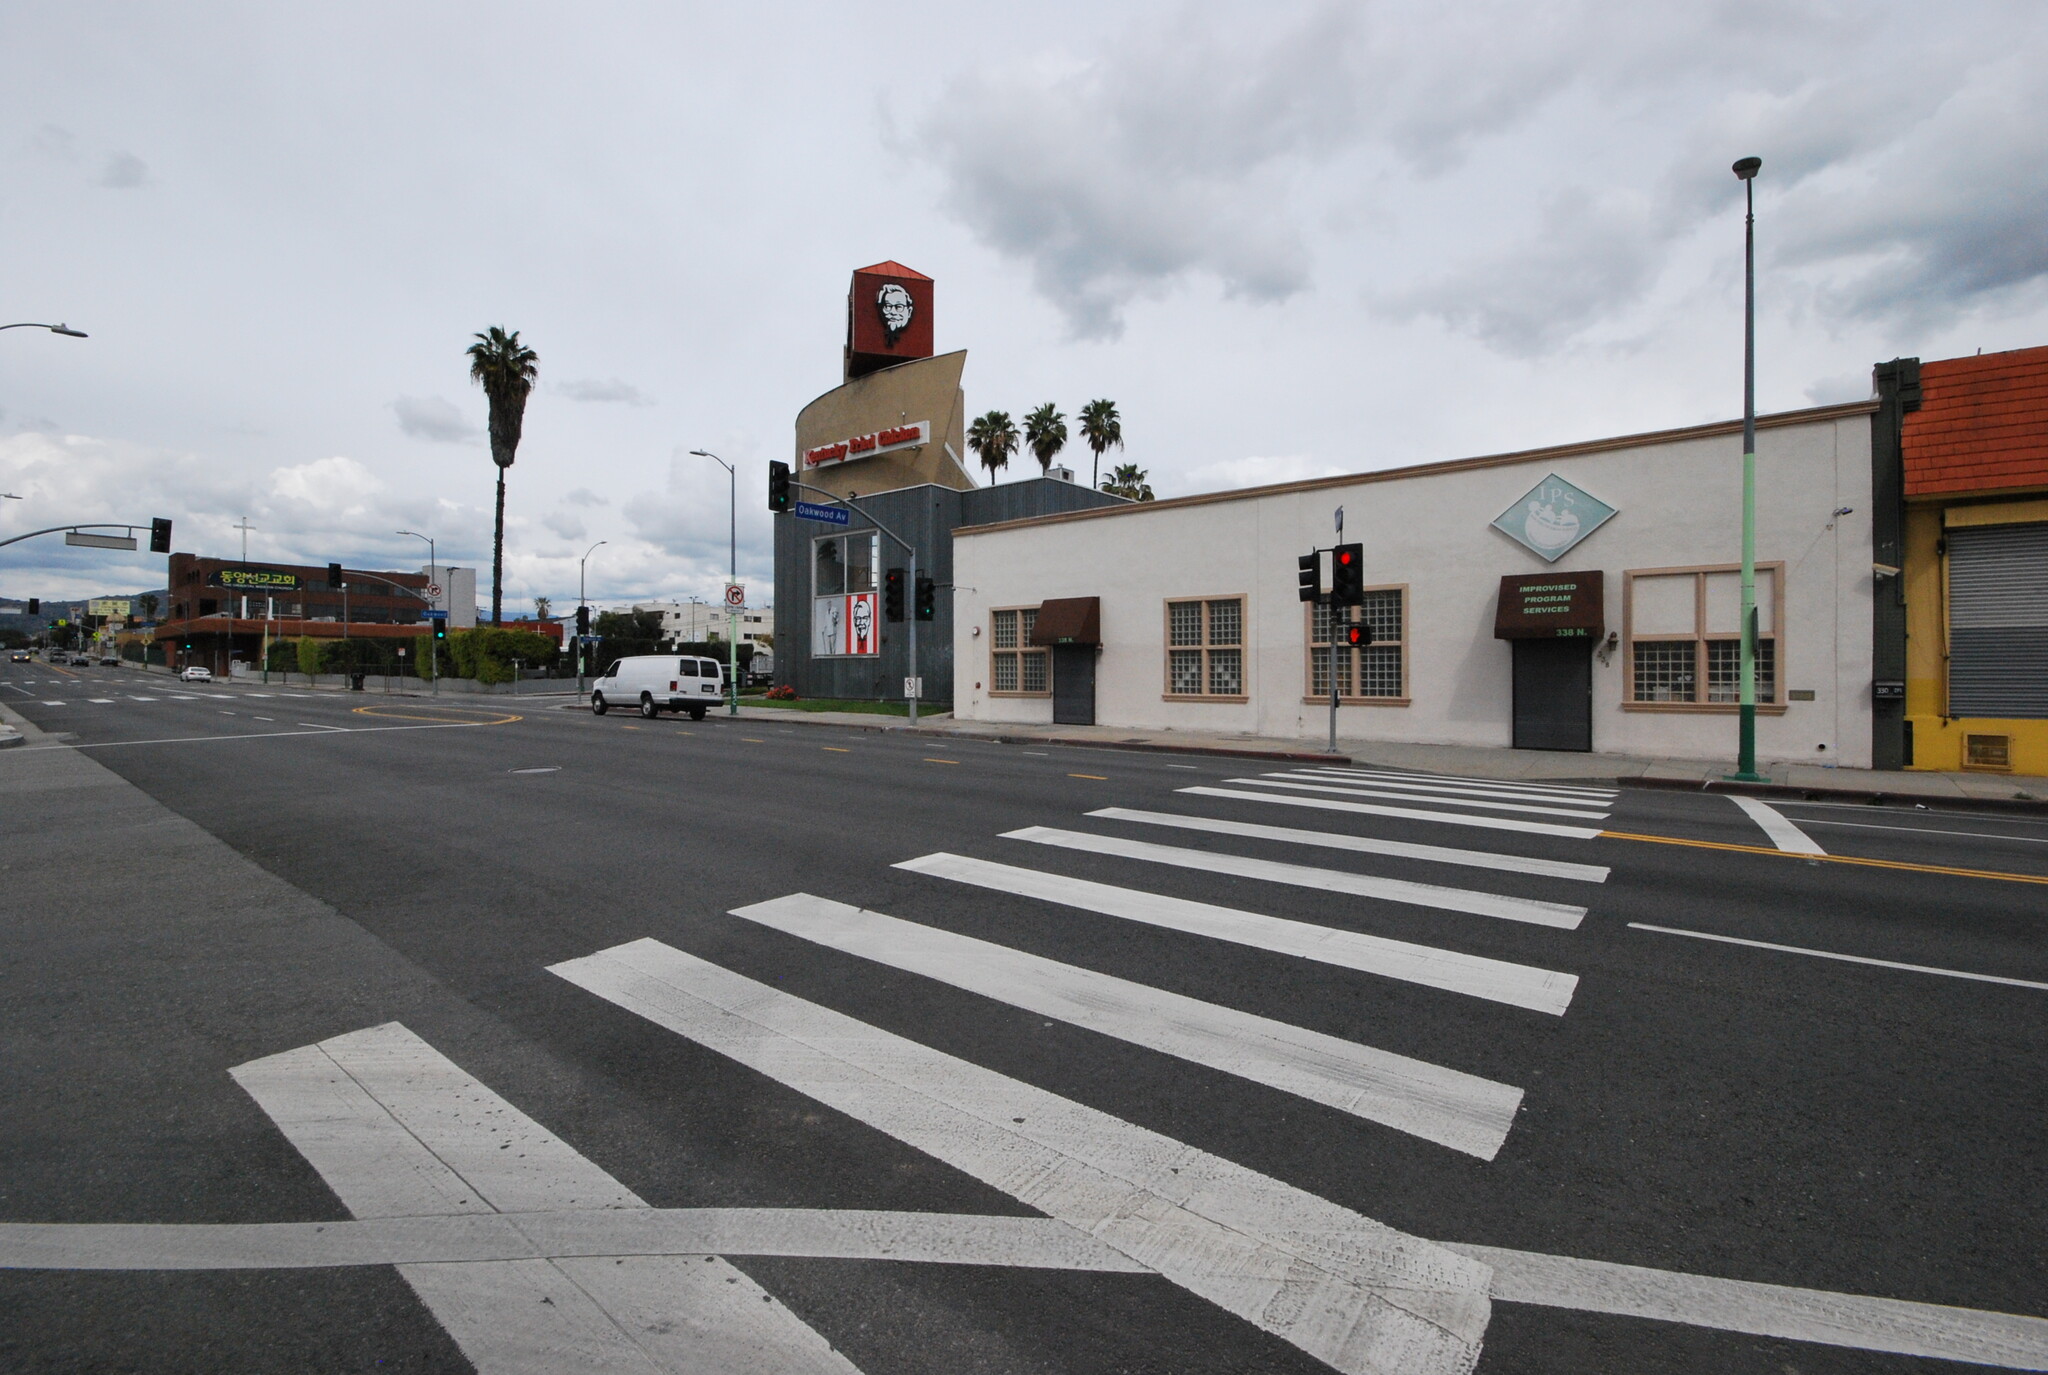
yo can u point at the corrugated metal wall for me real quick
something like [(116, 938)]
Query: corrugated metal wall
[(1998, 621)]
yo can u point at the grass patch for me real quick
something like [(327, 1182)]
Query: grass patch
[(835, 704)]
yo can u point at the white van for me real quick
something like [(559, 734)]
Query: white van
[(660, 682)]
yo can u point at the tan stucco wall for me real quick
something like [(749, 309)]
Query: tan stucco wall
[(925, 390)]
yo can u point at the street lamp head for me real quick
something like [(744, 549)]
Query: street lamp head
[(1745, 168), (703, 453), (68, 331)]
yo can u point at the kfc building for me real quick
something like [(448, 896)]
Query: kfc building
[(891, 437)]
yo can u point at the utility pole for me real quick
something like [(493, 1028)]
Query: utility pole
[(1332, 618), (1745, 751)]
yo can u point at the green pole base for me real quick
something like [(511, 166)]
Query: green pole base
[(1748, 777)]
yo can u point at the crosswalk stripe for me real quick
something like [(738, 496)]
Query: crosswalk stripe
[(1452, 1108), (398, 1130), (1564, 916), (1448, 779), (1371, 845), (1340, 1286), (1488, 823), (1446, 791), (53, 704), (1342, 791), (1519, 985), (133, 698), (101, 701)]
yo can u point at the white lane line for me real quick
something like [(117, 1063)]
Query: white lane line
[(1340, 1286), (1038, 1243), (397, 1129), (1528, 809), (254, 735), (53, 704), (1447, 792), (1923, 830), (1564, 916), (256, 694), (263, 718), (1184, 766), (1767, 1310), (1489, 823), (1833, 955), (101, 701), (184, 699), (133, 698), (1783, 833), (1519, 985), (1435, 854), (1041, 754), (1454, 1109), (1458, 780), (317, 726)]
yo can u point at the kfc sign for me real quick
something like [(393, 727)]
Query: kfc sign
[(868, 445), (844, 625)]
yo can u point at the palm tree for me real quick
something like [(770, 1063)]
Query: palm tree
[(1103, 428), (542, 606), (1128, 481), (1045, 434), (505, 369), (993, 439)]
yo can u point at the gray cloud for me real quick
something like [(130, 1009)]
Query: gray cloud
[(124, 172), (583, 496), (1120, 176), (54, 140), (566, 524), (434, 418), (623, 393), (1846, 386)]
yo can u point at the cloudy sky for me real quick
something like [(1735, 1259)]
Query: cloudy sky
[(1287, 240)]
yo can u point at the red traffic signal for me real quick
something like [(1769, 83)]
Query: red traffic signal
[(1347, 575)]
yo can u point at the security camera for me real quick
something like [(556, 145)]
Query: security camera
[(1883, 570)]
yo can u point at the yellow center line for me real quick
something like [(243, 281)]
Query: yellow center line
[(1828, 859), (503, 719), (837, 750), (750, 740), (1099, 778), (941, 761)]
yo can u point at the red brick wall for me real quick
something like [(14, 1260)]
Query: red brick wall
[(1982, 425)]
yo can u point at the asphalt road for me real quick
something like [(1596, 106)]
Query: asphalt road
[(297, 867)]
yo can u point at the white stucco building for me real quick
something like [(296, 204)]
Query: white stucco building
[(1620, 621), (698, 621)]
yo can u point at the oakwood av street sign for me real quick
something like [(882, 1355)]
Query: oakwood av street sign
[(831, 515)]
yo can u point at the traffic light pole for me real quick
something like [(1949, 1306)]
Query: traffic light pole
[(1334, 609), (910, 548)]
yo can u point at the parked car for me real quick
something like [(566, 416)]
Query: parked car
[(196, 674), (660, 682), (110, 661)]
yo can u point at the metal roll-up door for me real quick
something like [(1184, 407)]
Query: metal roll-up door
[(1998, 621)]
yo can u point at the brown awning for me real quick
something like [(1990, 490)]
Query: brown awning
[(1551, 606), (1069, 621)]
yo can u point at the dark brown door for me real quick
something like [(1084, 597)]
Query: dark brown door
[(1553, 694)]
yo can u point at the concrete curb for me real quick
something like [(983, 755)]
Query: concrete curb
[(1876, 797)]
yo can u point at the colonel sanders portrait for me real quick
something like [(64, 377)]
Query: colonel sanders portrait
[(896, 308), (863, 622)]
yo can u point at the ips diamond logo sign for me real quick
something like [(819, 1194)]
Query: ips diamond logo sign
[(1552, 517)]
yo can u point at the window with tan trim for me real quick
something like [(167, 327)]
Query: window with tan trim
[(1682, 642), (1374, 675), (1205, 649), (1015, 669)]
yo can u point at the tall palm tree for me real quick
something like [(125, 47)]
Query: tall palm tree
[(1103, 428), (1045, 434), (505, 369), (1128, 481), (994, 440)]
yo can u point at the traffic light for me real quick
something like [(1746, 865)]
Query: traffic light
[(334, 575), (440, 630), (1357, 636), (159, 536), (1347, 575), (1311, 576), (892, 595), (926, 610), (778, 486), (35, 606), (582, 620)]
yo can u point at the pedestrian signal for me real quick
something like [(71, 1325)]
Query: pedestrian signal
[(1357, 636)]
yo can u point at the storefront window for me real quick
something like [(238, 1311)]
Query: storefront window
[(1684, 649), (1378, 671), (844, 606), (1014, 666), (1205, 648)]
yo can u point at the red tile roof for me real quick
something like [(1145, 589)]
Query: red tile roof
[(889, 267), (1982, 424)]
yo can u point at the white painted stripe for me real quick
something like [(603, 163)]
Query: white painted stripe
[(101, 701), (1342, 1287), (1488, 823), (1564, 916), (1445, 790), (1541, 990), (133, 698), (1457, 779), (256, 694), (1782, 832), (1370, 845), (397, 1129), (1530, 809), (1767, 1310), (184, 699), (1039, 1243), (53, 704), (1454, 1109), (1833, 955)]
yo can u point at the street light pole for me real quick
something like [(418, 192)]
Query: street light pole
[(433, 580), (581, 604), (732, 615), (1745, 757), (54, 329)]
